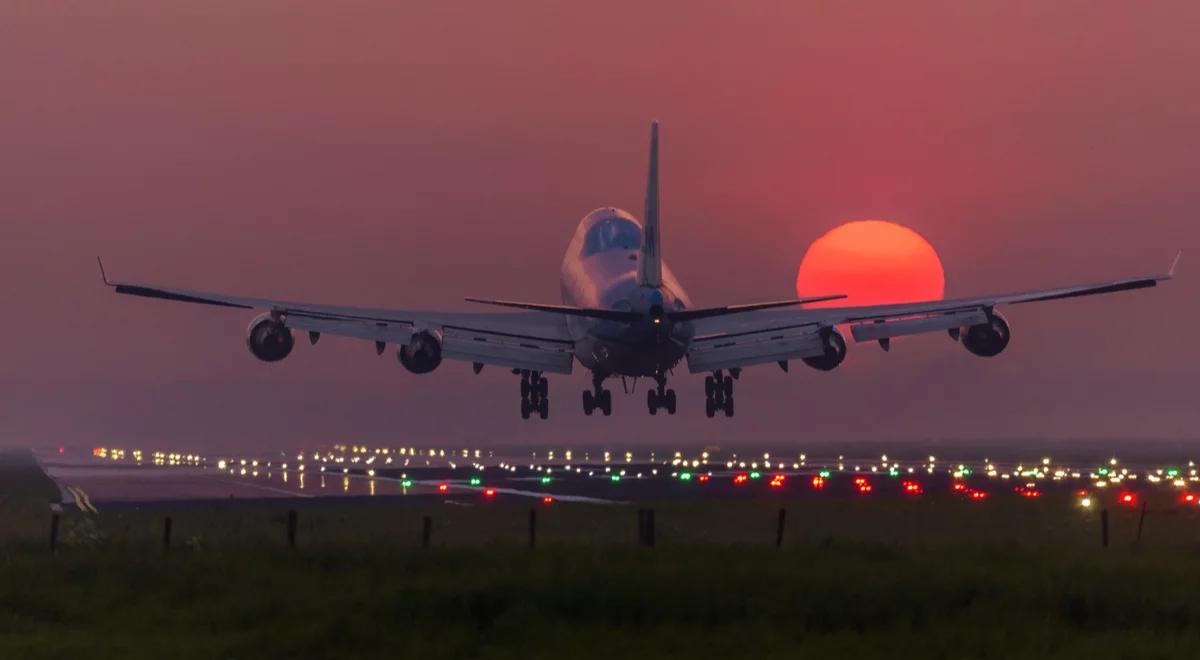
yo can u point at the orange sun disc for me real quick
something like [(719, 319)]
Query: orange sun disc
[(873, 262)]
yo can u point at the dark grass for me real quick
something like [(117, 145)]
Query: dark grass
[(935, 578)]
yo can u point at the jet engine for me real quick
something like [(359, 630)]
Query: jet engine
[(986, 339), (423, 353), (269, 339), (835, 351)]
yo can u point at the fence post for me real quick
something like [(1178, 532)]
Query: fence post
[(532, 528), (1141, 522), (166, 533), (53, 532), (779, 528), (426, 531), (1104, 528), (291, 529)]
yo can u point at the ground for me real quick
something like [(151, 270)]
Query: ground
[(933, 577)]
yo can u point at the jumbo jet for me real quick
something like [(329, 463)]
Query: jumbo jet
[(623, 314)]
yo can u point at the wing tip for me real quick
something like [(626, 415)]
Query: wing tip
[(103, 275), (1174, 264)]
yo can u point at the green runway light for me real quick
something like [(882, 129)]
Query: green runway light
[(894, 472), (1172, 473), (824, 474), (407, 483), (685, 476), (615, 478), (475, 481), (545, 480), (1102, 471)]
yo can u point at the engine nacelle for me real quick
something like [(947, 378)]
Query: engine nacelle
[(986, 339), (835, 351), (423, 353), (269, 339)]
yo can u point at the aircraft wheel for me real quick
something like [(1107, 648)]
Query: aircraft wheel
[(589, 402), (652, 401), (727, 386), (670, 402), (710, 386), (729, 407), (524, 388), (710, 407), (543, 387), (606, 403), (544, 408), (526, 408)]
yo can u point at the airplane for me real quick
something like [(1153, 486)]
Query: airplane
[(623, 314)]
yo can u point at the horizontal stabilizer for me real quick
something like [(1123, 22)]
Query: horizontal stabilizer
[(707, 312), (604, 314)]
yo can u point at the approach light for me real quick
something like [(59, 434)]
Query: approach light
[(702, 478), (977, 495), (547, 500), (777, 481), (818, 482), (911, 487), (490, 492), (1189, 498), (443, 488), (740, 478), (1128, 498)]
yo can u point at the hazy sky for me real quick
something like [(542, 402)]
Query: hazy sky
[(409, 154)]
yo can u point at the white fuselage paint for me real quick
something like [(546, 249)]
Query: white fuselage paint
[(607, 279)]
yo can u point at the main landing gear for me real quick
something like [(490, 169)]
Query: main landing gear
[(597, 398), (718, 394), (660, 397), (535, 394)]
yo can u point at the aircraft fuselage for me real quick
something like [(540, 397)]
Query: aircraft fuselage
[(599, 270)]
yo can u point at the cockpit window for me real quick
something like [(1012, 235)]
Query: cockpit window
[(612, 234)]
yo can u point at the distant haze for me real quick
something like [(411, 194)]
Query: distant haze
[(409, 154)]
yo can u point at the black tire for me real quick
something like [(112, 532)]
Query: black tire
[(670, 401), (727, 386), (606, 405), (526, 408), (710, 408), (652, 401), (729, 407), (544, 408), (524, 388), (543, 387), (589, 402), (709, 387)]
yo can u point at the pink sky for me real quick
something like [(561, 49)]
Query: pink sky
[(410, 154)]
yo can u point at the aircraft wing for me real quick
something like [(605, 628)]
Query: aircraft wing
[(532, 340), (775, 336)]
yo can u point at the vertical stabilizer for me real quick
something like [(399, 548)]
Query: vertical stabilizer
[(650, 260)]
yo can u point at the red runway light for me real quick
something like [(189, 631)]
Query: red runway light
[(702, 478), (912, 487), (818, 483), (977, 495), (547, 500), (740, 478), (1128, 498), (1188, 498), (490, 492), (777, 481), (442, 488), (959, 487)]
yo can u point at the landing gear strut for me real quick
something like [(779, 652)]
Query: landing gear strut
[(660, 397), (718, 394), (535, 394), (597, 398)]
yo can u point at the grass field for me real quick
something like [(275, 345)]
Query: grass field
[(935, 578)]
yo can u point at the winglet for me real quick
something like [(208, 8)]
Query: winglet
[(1174, 265), (103, 275)]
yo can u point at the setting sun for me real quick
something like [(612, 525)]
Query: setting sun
[(873, 262)]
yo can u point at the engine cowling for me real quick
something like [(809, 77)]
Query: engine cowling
[(835, 351), (423, 353), (269, 339), (987, 339)]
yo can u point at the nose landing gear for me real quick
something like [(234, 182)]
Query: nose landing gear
[(718, 394), (597, 398), (660, 397), (535, 394)]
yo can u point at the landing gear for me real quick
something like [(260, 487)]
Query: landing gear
[(597, 398), (660, 397), (718, 394), (535, 394)]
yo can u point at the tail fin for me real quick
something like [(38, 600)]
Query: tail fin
[(650, 260)]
